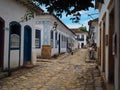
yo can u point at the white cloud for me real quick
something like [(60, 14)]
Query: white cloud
[(83, 12), (73, 25)]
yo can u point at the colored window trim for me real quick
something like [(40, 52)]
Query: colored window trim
[(56, 40), (52, 39), (52, 36), (15, 28), (38, 38), (15, 35)]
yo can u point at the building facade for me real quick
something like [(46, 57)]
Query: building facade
[(109, 56), (26, 32), (81, 37), (93, 32), (54, 41), (117, 43), (17, 34)]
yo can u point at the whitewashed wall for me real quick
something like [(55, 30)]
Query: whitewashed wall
[(117, 30), (46, 22), (12, 11), (105, 11), (75, 44), (85, 38), (117, 57)]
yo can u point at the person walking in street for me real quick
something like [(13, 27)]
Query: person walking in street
[(92, 52)]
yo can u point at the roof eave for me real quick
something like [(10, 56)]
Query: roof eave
[(31, 6)]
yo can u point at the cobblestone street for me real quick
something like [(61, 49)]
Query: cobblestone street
[(67, 72)]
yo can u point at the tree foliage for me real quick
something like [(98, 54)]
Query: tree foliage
[(70, 7), (83, 29), (28, 15)]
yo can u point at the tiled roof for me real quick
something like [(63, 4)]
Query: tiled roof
[(76, 30), (94, 20)]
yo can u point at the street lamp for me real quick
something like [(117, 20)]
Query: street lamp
[(55, 26)]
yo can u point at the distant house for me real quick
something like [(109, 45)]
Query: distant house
[(81, 36), (93, 31)]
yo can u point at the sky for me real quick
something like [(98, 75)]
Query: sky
[(83, 19), (86, 16)]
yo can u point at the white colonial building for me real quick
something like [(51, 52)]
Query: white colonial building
[(17, 33), (26, 32), (81, 36), (56, 37), (109, 45)]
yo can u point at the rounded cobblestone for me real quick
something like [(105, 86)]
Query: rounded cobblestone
[(67, 72)]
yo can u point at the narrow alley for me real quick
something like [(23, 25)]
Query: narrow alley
[(67, 72)]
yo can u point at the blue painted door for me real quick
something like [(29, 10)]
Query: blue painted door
[(1, 42), (27, 44)]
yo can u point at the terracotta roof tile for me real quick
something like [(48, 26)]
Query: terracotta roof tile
[(76, 30)]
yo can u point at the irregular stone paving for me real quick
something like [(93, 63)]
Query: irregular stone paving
[(67, 72)]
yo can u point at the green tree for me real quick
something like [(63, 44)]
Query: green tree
[(70, 7), (83, 29)]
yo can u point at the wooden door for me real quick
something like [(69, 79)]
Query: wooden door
[(1, 42)]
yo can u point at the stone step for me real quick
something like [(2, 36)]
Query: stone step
[(28, 65)]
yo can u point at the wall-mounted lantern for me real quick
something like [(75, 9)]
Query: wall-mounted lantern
[(55, 26)]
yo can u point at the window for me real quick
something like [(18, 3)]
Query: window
[(78, 36), (38, 39), (15, 41), (51, 38), (62, 41), (15, 35), (65, 42), (82, 38), (56, 40)]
